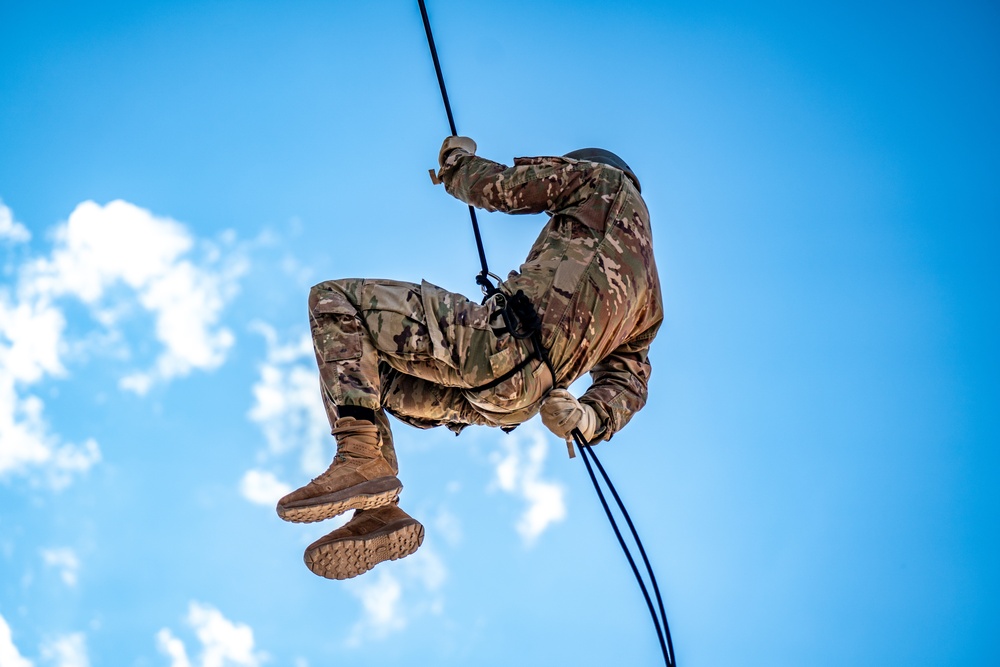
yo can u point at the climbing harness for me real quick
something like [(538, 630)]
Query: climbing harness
[(522, 322)]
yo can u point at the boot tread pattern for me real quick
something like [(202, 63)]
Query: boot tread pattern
[(323, 511), (350, 557)]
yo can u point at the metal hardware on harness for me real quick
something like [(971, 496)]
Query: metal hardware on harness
[(519, 314), (522, 321)]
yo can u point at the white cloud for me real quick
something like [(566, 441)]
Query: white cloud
[(66, 561), (426, 568), (111, 259), (289, 411), (380, 602), (10, 229), (103, 246), (30, 334), (33, 329), (263, 488), (27, 442), (519, 472), (9, 655), (173, 648), (67, 651), (391, 599), (223, 643), (287, 404)]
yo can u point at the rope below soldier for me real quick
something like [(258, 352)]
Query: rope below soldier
[(430, 357)]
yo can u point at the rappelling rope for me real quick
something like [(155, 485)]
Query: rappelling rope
[(662, 632), (482, 279), (522, 321)]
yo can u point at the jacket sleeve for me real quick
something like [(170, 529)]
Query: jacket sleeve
[(532, 185), (619, 387)]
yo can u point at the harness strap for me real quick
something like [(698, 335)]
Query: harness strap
[(508, 375)]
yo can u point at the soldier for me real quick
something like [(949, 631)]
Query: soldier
[(431, 357)]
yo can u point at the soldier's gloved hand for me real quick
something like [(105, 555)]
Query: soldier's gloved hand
[(453, 142), (561, 413)]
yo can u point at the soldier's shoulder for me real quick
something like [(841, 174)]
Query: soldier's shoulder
[(604, 178), (543, 161)]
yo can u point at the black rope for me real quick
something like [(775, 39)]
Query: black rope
[(522, 321), (482, 279), (662, 630)]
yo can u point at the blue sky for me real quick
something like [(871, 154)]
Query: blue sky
[(814, 475)]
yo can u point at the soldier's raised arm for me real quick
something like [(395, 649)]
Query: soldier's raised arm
[(532, 185)]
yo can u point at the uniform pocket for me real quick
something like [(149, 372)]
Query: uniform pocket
[(503, 361), (503, 366), (337, 333), (458, 329)]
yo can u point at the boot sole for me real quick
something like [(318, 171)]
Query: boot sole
[(350, 556), (365, 496)]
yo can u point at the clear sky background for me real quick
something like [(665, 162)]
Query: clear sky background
[(814, 476)]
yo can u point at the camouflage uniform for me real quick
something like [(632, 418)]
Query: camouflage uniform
[(424, 354)]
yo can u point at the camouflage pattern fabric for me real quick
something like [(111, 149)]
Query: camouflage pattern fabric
[(423, 354), (420, 353), (591, 273)]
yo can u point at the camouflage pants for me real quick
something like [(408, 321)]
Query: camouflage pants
[(422, 354)]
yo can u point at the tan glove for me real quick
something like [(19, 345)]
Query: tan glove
[(453, 142), (561, 413)]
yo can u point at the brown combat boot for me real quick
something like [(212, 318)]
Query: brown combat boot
[(370, 537), (358, 478)]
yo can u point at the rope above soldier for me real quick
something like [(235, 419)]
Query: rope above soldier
[(588, 294)]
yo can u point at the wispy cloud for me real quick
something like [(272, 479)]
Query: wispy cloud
[(66, 651), (262, 487), (382, 610), (222, 642), (122, 244), (111, 259), (11, 230), (519, 468), (288, 409), (173, 648), (390, 599), (31, 332), (65, 561), (9, 655)]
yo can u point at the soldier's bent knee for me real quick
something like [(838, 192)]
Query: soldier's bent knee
[(330, 296)]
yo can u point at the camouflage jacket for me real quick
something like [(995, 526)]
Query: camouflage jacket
[(590, 274)]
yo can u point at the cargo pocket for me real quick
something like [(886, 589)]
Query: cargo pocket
[(505, 381), (511, 390), (457, 328), (336, 332)]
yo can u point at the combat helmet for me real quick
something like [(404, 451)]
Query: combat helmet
[(605, 157)]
